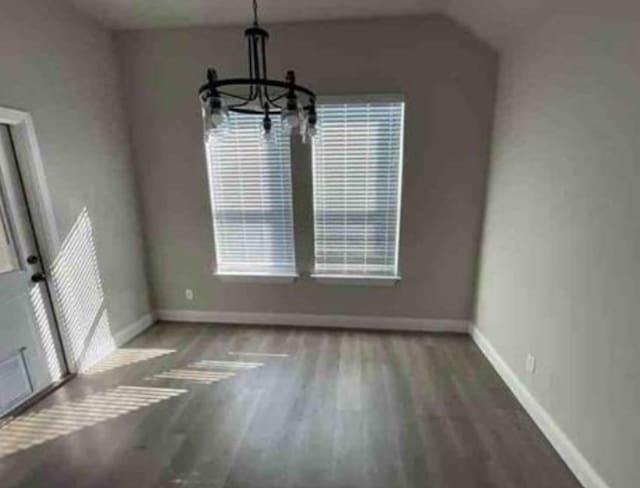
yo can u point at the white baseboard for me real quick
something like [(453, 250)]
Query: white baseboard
[(574, 459), (134, 329), (312, 320)]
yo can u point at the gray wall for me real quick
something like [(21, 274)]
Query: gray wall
[(560, 268), (448, 78), (62, 68)]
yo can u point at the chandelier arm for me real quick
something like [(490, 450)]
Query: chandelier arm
[(250, 51), (251, 111), (245, 100), (233, 95), (260, 96), (274, 106), (262, 75), (234, 107), (263, 82), (238, 107), (257, 75), (253, 40), (263, 42), (278, 97)]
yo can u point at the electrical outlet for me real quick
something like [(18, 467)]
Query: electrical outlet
[(530, 363), (189, 294)]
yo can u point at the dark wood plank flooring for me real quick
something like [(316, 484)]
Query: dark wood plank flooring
[(282, 408)]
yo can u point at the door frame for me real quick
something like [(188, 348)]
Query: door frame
[(34, 182)]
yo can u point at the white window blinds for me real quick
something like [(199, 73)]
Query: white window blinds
[(357, 168), (250, 186)]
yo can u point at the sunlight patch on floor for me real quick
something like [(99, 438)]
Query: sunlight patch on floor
[(125, 357), (232, 365), (195, 376), (50, 423), (206, 371), (258, 354)]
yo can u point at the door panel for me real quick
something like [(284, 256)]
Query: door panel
[(26, 319)]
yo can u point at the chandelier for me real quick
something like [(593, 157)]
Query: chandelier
[(258, 94)]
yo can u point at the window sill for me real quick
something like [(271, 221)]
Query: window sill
[(256, 278), (355, 280)]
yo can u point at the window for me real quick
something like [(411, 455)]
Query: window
[(357, 169), (8, 254), (250, 185)]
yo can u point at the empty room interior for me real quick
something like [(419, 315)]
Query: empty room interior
[(320, 243)]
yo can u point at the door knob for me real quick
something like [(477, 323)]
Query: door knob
[(33, 259), (38, 277)]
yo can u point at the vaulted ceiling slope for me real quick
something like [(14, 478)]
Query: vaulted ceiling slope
[(493, 20), (145, 14)]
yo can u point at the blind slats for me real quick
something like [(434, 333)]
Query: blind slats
[(357, 159), (250, 186)]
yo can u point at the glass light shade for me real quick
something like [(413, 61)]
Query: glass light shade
[(218, 117), (291, 119), (308, 133), (307, 129), (267, 135), (207, 127), (213, 120), (214, 113)]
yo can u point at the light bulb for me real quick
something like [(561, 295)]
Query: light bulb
[(284, 126), (216, 110), (302, 130), (206, 117), (217, 117), (291, 113), (293, 120), (307, 132), (290, 121)]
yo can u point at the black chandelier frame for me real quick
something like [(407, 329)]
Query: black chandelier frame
[(259, 100)]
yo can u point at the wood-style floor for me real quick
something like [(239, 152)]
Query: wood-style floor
[(260, 407)]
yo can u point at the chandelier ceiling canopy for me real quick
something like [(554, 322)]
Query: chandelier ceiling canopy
[(258, 94)]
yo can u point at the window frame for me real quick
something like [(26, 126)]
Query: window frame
[(366, 280)]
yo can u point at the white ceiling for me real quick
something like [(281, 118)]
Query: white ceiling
[(491, 19)]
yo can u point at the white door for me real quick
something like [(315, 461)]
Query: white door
[(31, 356)]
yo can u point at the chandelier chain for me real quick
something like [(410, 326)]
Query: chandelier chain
[(255, 12)]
